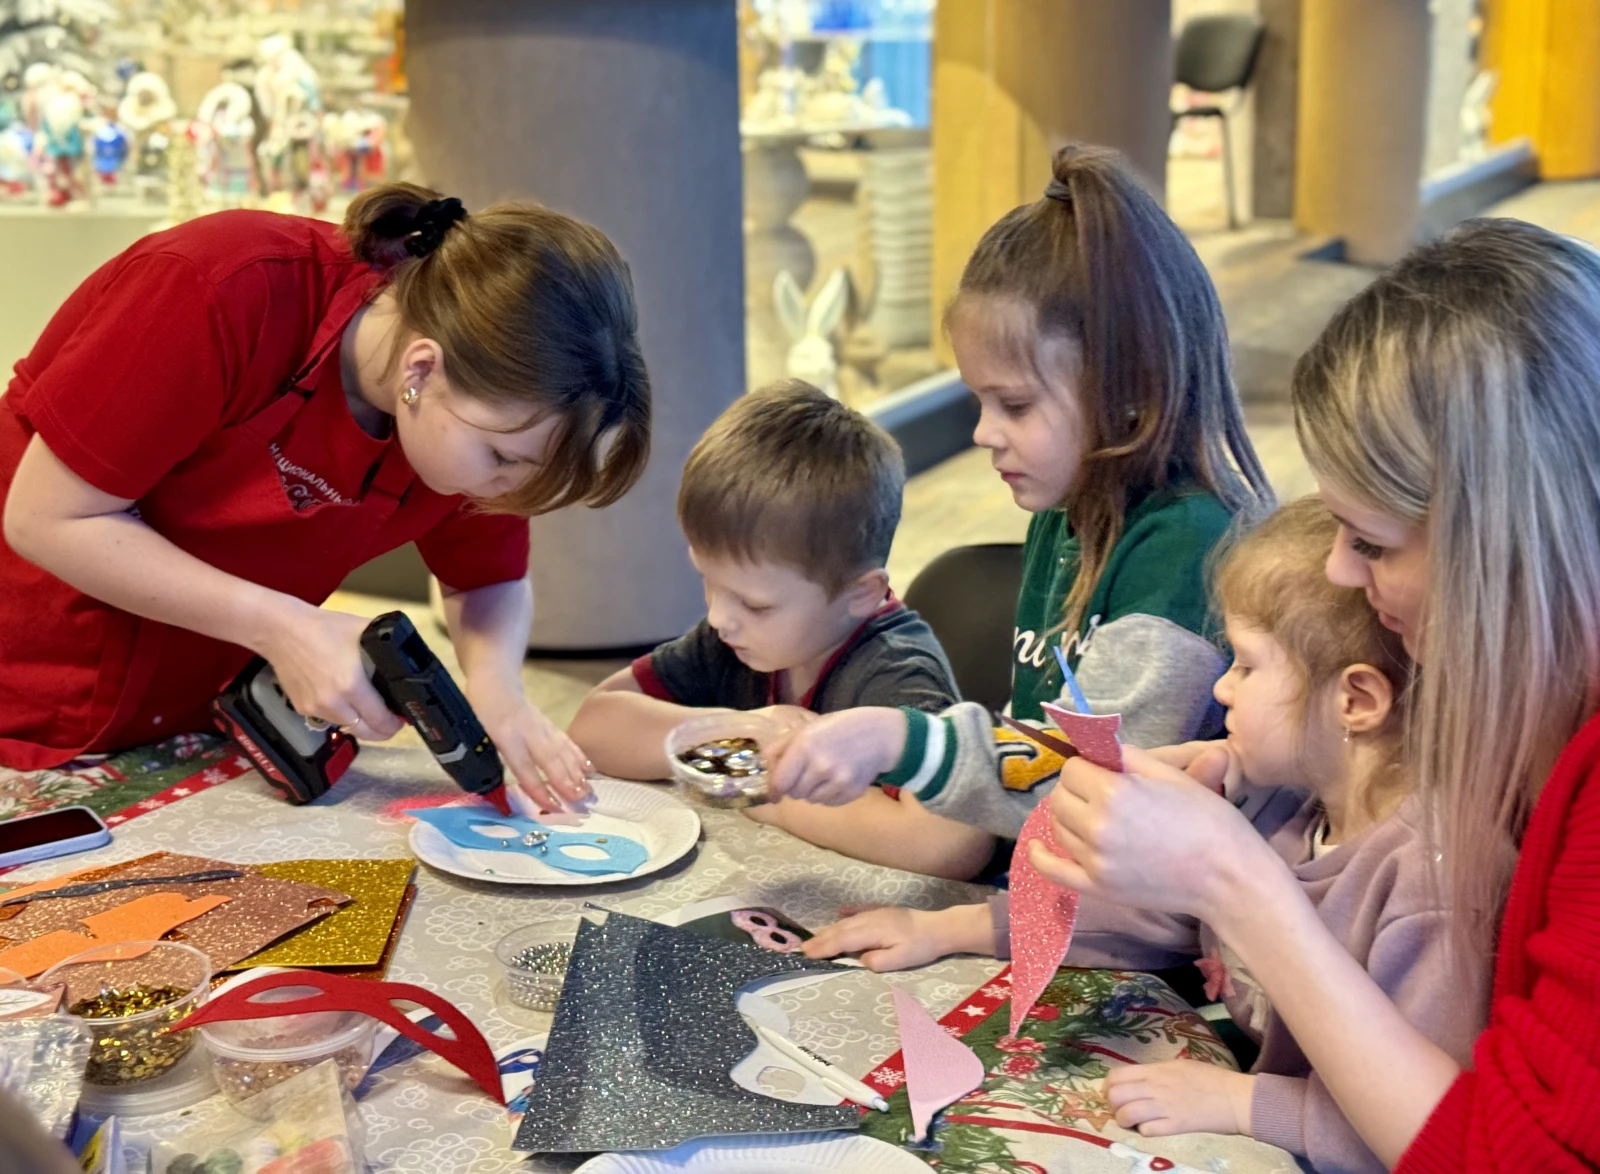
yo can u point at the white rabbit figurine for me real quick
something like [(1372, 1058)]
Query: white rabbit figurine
[(811, 351)]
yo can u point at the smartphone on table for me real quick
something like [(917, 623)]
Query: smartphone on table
[(50, 833)]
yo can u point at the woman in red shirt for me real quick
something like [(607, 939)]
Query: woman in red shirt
[(225, 420), (1451, 413)]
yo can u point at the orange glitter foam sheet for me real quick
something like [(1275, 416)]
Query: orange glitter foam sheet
[(259, 909), (143, 919)]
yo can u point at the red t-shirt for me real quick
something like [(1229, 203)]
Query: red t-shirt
[(186, 335)]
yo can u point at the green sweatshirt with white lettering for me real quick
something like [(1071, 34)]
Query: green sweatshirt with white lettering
[(1146, 649)]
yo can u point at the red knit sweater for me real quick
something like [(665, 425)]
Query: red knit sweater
[(1532, 1099)]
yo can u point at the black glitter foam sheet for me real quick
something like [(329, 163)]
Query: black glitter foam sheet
[(644, 1037)]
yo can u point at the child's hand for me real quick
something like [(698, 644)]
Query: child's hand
[(544, 762), (898, 939), (1180, 1096), (835, 758)]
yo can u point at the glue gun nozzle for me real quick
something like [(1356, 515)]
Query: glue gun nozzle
[(498, 798)]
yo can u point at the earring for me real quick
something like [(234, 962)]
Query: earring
[(409, 396), (1347, 735)]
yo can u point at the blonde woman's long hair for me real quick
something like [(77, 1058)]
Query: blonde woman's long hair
[(1460, 393)]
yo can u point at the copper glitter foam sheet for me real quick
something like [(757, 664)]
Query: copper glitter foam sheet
[(260, 910), (644, 1038)]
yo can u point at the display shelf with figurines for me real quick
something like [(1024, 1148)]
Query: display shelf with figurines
[(291, 104)]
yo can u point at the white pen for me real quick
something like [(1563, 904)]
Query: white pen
[(845, 1085)]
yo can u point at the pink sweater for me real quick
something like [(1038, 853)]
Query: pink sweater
[(1374, 894)]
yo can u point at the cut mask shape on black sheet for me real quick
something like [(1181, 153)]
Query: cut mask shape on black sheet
[(644, 1038), (548, 845)]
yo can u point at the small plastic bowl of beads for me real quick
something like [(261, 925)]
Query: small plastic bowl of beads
[(717, 759), (249, 1056), (535, 960), (130, 995)]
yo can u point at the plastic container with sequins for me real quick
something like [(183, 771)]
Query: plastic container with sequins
[(534, 960), (249, 1056), (717, 759), (130, 995)]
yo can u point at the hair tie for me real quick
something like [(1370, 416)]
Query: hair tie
[(1058, 191), (431, 222)]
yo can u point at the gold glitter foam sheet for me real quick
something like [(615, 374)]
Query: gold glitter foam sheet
[(260, 909), (355, 935)]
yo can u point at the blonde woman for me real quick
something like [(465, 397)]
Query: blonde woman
[(1451, 413)]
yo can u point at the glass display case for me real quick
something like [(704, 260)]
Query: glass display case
[(197, 104), (838, 192)]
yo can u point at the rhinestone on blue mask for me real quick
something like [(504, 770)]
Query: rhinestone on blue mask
[(548, 845)]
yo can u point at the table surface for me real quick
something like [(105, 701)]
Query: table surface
[(423, 1116)]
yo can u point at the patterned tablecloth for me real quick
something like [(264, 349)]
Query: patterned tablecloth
[(1040, 1110)]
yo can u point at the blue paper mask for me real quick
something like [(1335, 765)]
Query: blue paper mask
[(548, 845)]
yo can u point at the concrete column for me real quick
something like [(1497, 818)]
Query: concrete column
[(1276, 88), (1364, 68), (1013, 81), (624, 113)]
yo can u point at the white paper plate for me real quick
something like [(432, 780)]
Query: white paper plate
[(666, 825), (812, 1153)]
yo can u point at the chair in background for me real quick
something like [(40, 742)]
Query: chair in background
[(1216, 54), (969, 598)]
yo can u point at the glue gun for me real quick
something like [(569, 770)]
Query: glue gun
[(302, 760)]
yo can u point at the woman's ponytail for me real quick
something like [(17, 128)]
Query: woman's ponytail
[(396, 222)]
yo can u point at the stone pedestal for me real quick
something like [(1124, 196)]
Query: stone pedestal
[(775, 185), (626, 114), (1276, 89)]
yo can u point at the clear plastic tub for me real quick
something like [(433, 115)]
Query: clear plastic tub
[(251, 1055), (130, 995), (534, 960), (18, 999), (735, 742)]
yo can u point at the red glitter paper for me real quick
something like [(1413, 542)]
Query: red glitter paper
[(1042, 916), (1094, 735)]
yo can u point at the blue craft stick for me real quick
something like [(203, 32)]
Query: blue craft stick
[(1079, 701)]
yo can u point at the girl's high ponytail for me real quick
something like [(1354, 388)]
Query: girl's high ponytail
[(1097, 262)]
